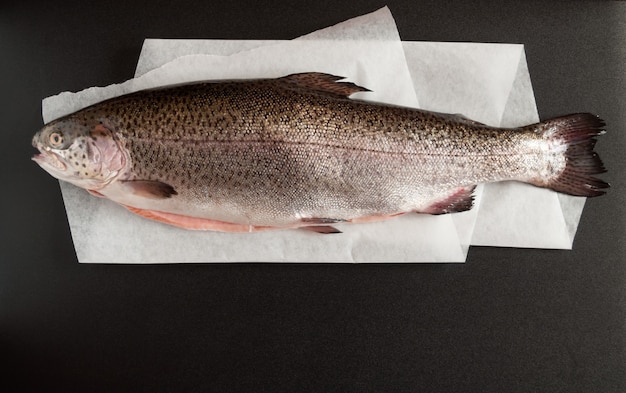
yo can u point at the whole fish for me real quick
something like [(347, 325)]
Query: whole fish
[(248, 155)]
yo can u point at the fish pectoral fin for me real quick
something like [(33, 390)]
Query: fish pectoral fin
[(96, 193), (323, 83), (325, 229), (152, 189), (459, 200)]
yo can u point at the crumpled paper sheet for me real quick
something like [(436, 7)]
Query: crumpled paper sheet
[(486, 82)]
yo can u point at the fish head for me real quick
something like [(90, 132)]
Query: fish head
[(86, 155)]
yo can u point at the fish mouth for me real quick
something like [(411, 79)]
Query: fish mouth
[(50, 160)]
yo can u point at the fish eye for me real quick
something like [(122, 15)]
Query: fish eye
[(55, 139)]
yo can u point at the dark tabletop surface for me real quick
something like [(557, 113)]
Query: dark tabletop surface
[(508, 320)]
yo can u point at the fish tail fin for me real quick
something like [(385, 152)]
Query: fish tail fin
[(573, 138)]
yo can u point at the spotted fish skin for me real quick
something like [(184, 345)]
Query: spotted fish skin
[(296, 151)]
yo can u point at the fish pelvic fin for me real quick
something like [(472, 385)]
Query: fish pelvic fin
[(322, 83), (318, 224), (324, 229), (576, 134)]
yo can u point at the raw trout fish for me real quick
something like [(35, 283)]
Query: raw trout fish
[(296, 152)]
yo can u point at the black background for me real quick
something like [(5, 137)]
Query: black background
[(508, 320)]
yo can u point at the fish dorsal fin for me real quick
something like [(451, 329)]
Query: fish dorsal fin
[(323, 83)]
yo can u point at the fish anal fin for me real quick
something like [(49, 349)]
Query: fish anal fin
[(460, 200), (323, 83), (195, 223), (152, 189)]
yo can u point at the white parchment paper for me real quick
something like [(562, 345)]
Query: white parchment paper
[(486, 82)]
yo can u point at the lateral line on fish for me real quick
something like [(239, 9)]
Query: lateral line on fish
[(354, 148)]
